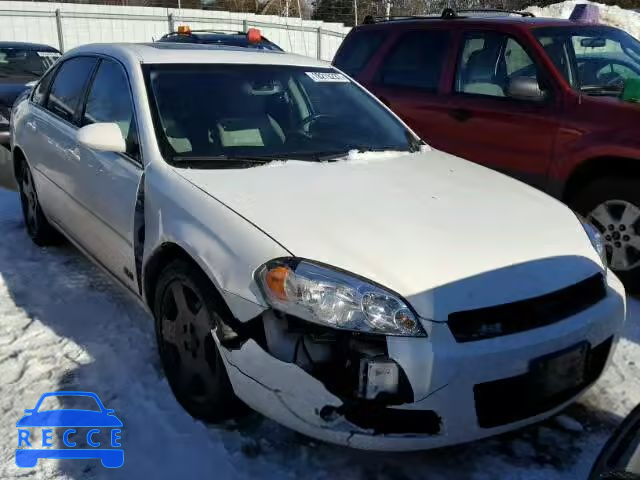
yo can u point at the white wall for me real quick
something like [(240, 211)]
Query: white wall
[(36, 22)]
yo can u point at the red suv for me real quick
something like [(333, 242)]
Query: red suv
[(538, 99)]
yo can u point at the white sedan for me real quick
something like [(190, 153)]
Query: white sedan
[(302, 251)]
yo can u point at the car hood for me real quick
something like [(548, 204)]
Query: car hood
[(444, 233)]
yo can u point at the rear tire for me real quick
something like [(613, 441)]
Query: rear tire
[(186, 309), (38, 227), (613, 206)]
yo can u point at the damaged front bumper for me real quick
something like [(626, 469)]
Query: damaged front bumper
[(455, 393)]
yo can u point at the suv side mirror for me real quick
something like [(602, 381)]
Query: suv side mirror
[(104, 137), (525, 88), (620, 457)]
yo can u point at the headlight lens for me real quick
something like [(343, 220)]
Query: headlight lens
[(336, 299), (596, 240)]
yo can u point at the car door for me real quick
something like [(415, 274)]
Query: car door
[(487, 125), (51, 126), (108, 182), (409, 78)]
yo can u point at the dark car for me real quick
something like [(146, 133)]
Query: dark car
[(252, 38), (539, 99), (21, 64)]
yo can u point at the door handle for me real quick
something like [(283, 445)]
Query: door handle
[(460, 114), (31, 125)]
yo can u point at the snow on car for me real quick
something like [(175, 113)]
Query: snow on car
[(303, 251)]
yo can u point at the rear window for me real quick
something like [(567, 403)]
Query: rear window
[(416, 60), (358, 49)]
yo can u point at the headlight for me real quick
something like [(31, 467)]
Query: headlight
[(335, 299), (596, 240)]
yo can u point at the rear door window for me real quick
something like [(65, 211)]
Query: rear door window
[(358, 49), (416, 61), (69, 86)]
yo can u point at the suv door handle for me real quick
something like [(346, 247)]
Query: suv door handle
[(31, 124), (460, 114)]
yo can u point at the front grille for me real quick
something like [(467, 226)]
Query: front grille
[(516, 398), (489, 322)]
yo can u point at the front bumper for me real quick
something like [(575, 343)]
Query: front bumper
[(443, 375)]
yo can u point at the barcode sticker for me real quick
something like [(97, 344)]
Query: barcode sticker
[(327, 77)]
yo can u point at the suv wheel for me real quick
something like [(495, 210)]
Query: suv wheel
[(38, 227), (613, 206), (185, 313)]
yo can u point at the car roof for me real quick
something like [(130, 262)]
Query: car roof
[(191, 53), (28, 46), (477, 21)]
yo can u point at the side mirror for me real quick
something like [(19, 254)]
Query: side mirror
[(525, 88), (620, 457), (631, 90), (104, 137)]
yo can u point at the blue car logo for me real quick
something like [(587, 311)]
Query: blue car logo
[(67, 418)]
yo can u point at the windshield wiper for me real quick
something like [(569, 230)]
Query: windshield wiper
[(221, 161)]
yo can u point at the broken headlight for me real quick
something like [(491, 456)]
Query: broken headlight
[(334, 298)]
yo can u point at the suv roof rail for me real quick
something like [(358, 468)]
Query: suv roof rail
[(489, 10), (447, 13)]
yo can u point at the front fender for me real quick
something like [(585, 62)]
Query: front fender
[(225, 246)]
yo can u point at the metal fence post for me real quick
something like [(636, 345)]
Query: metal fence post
[(319, 52), (59, 29), (245, 25), (170, 21)]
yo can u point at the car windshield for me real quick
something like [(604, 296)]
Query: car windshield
[(256, 113), (595, 60), (25, 63)]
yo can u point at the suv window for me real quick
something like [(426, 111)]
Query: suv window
[(68, 86), (358, 50), (489, 61), (416, 61), (109, 100)]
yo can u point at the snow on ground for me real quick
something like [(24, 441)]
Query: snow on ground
[(65, 326), (627, 20)]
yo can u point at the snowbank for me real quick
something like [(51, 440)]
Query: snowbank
[(627, 20)]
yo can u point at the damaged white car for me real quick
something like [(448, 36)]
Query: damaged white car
[(302, 251)]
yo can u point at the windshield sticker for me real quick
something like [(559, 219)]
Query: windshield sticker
[(327, 77), (48, 54)]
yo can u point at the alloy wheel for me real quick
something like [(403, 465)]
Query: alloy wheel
[(29, 201), (188, 341), (619, 223)]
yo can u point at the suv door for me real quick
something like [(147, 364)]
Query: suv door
[(52, 124), (487, 125), (107, 182), (409, 80)]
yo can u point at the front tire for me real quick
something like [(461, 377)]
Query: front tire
[(613, 206), (186, 311), (38, 227)]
